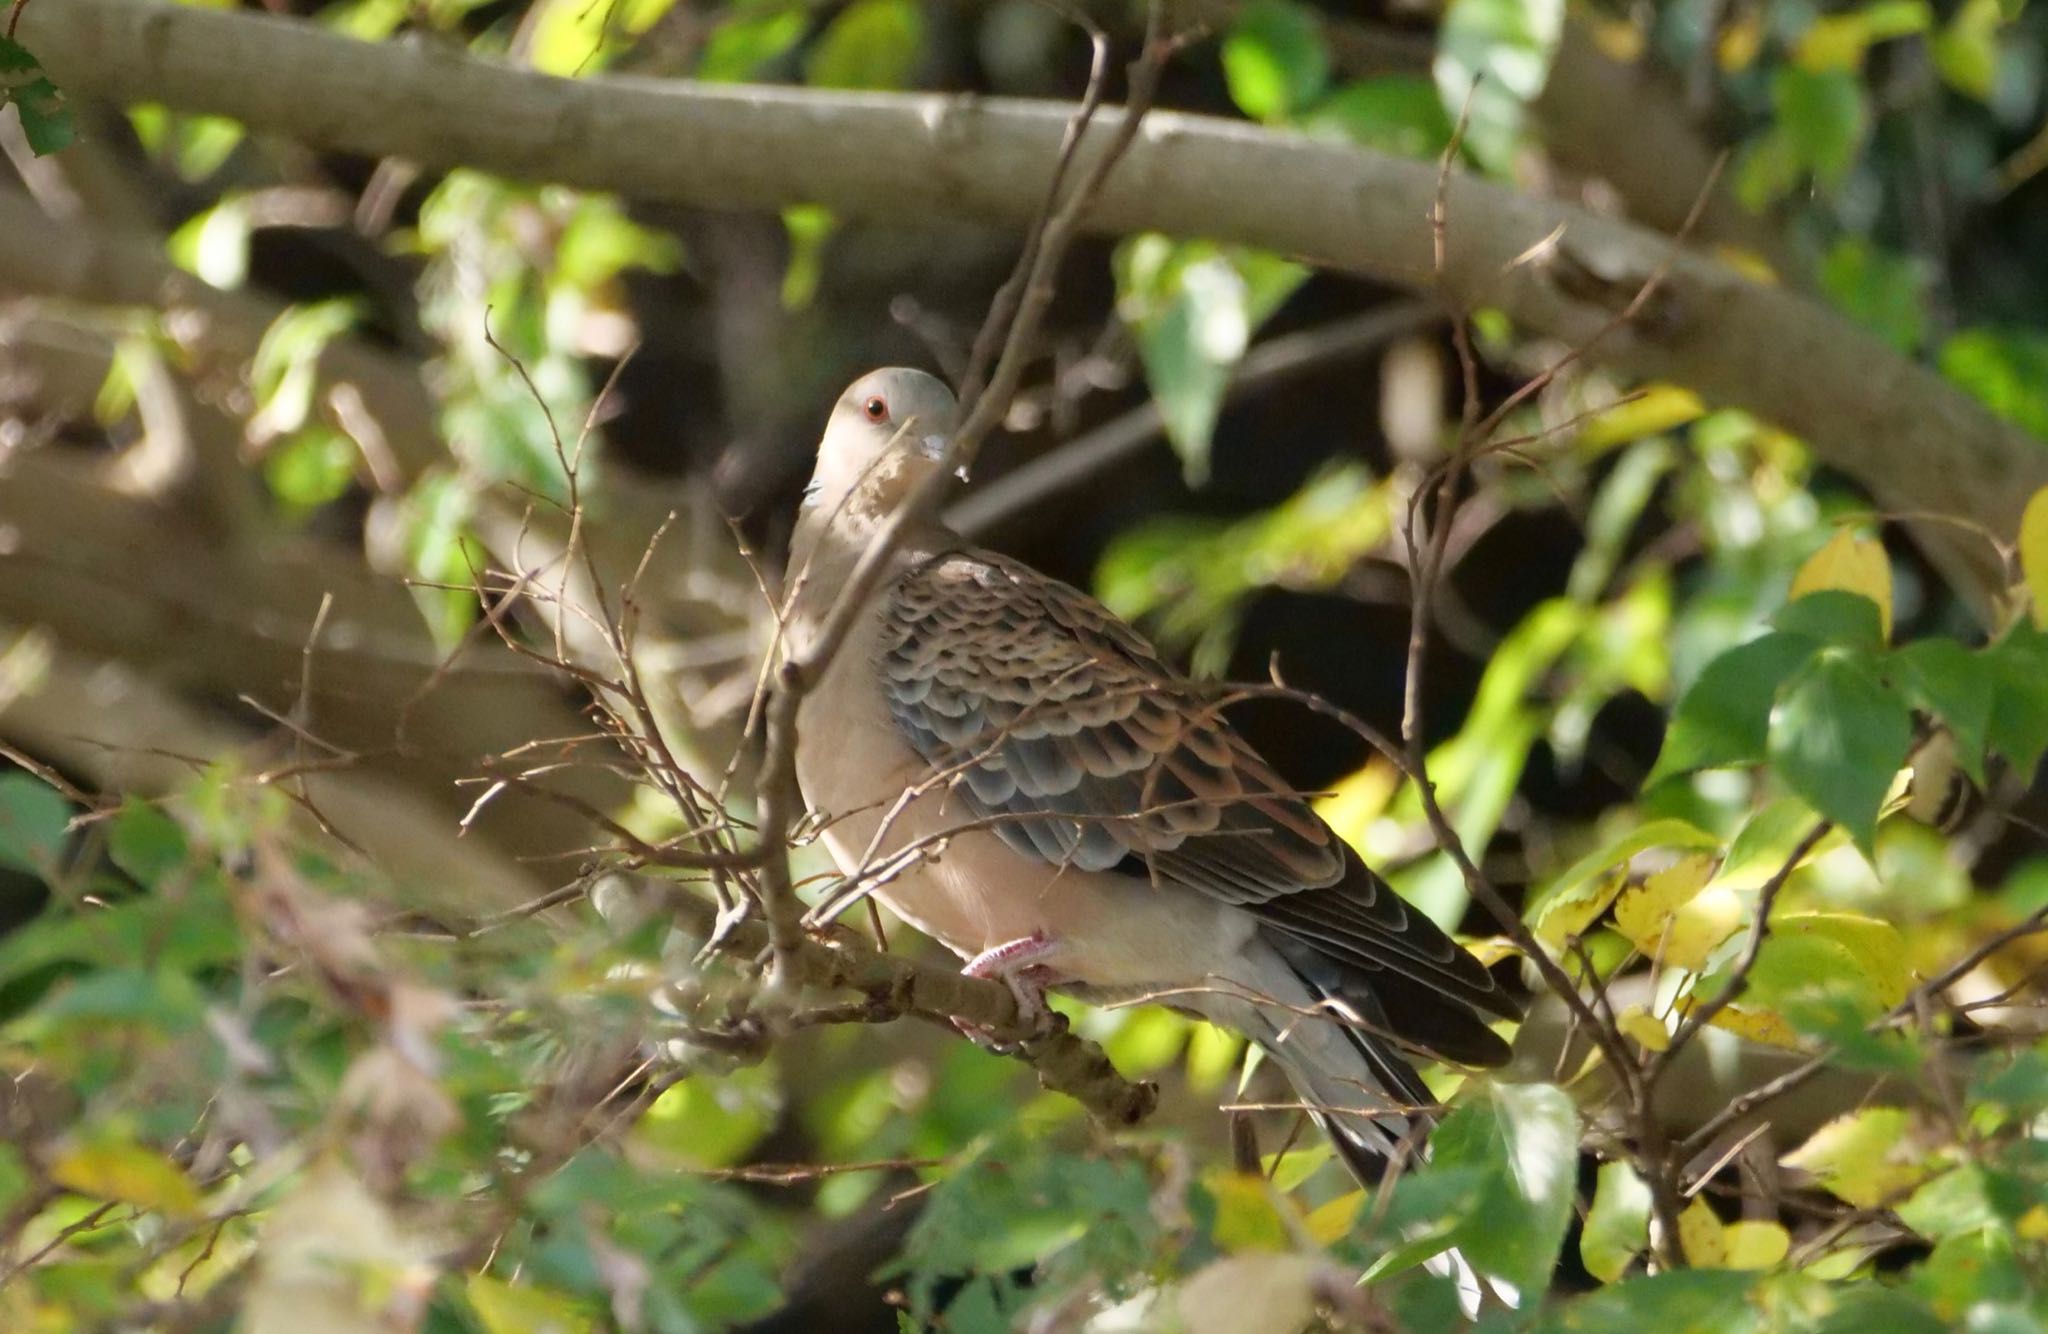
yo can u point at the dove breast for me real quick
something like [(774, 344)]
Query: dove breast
[(970, 889)]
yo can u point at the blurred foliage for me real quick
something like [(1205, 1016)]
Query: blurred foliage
[(238, 1065)]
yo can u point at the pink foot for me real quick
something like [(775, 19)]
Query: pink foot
[(1021, 965)]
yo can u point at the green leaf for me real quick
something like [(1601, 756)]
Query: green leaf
[(1823, 116), (873, 44), (2007, 369), (1724, 718), (1525, 1139), (45, 114), (1885, 293), (1689, 1301), (1966, 50), (1942, 678), (809, 228), (2019, 701), (33, 823), (1496, 54), (1399, 114), (1953, 1203), (1837, 737), (1832, 616), (311, 467), (1274, 61), (1618, 1226), (739, 46), (1193, 306)]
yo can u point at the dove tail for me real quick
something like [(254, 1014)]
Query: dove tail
[(1365, 1096)]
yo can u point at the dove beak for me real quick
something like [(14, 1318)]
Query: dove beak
[(933, 447)]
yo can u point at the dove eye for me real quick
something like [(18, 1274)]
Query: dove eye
[(876, 409)]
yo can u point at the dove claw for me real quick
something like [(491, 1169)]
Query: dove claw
[(1021, 966)]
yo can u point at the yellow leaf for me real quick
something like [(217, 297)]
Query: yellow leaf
[(1832, 43), (1653, 410), (1748, 263), (1876, 947), (2033, 1224), (1619, 40), (1740, 42), (1851, 564), (1758, 1026), (2034, 554), (1645, 908), (1644, 1027), (130, 1173), (1864, 1158), (1699, 1235), (1755, 1245), (1490, 950), (1359, 799), (1247, 1219), (1668, 918), (1329, 1222), (1570, 913), (1711, 1244), (509, 1308), (1212, 1055)]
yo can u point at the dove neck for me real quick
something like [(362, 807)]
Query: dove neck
[(827, 546)]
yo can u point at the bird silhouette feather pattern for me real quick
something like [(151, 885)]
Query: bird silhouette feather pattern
[(1017, 773)]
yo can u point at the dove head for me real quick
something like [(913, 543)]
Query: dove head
[(888, 431)]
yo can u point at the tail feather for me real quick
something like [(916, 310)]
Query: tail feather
[(1366, 1097)]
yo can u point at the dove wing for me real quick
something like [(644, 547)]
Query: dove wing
[(1061, 726)]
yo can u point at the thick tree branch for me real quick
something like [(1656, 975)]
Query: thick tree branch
[(1919, 444)]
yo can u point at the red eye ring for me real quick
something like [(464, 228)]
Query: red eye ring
[(876, 409)]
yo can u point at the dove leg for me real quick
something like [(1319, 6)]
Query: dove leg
[(1021, 965)]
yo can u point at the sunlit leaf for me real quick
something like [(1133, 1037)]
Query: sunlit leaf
[(1524, 1140), (1495, 55), (1618, 1225), (2034, 554), (2007, 369), (1711, 1244), (1274, 61), (1583, 892), (521, 1308), (1247, 1219), (1668, 917), (1864, 1157), (872, 44), (1192, 306), (119, 1169), (749, 39), (1652, 410), (1646, 1028), (1392, 113), (1966, 48)]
